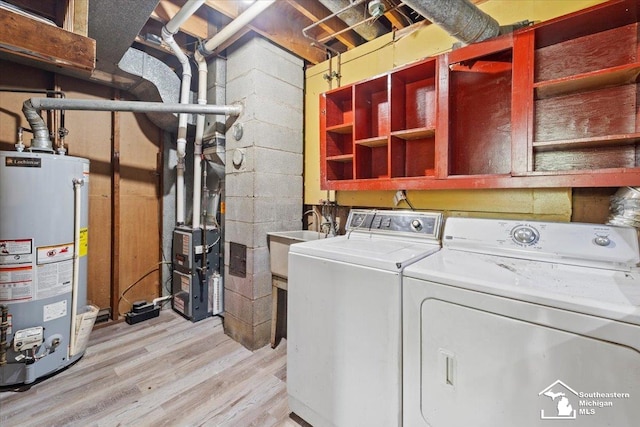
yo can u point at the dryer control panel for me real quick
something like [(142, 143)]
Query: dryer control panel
[(566, 243), (420, 224)]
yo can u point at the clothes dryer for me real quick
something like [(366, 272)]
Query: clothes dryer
[(521, 323)]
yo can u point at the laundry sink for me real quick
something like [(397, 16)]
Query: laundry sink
[(279, 242)]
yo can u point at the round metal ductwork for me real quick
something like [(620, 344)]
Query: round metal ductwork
[(355, 15), (460, 18)]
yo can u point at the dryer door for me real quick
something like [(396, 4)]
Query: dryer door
[(467, 365)]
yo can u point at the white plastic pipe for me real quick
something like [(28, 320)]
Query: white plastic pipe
[(207, 48), (168, 31), (236, 25), (77, 206), (197, 152), (189, 8)]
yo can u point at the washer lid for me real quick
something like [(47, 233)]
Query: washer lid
[(595, 291), (381, 252)]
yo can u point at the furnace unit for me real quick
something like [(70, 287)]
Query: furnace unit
[(197, 285)]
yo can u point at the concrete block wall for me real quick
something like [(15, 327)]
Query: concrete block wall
[(264, 190)]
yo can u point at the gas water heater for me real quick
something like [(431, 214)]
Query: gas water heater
[(45, 321)]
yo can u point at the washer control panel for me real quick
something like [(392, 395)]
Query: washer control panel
[(425, 224)]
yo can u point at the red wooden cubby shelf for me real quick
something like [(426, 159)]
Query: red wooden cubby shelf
[(552, 105)]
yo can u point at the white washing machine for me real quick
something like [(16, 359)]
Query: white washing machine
[(344, 347), (518, 323)]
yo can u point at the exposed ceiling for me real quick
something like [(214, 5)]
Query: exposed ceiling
[(118, 43), (308, 28)]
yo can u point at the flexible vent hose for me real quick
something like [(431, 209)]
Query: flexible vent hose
[(625, 208), (41, 140)]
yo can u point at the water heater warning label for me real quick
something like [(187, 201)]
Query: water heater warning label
[(50, 254), (19, 251), (54, 311), (84, 242), (54, 279), (16, 283)]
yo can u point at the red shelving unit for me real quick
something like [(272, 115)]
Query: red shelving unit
[(551, 105)]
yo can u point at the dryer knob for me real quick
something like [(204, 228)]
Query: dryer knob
[(602, 241), (416, 225), (525, 235)]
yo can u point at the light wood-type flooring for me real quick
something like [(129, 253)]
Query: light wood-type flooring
[(165, 371)]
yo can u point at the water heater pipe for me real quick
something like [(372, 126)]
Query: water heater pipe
[(132, 106), (41, 140), (205, 49), (168, 31), (77, 205)]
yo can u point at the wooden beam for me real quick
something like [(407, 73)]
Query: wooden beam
[(195, 26), (44, 43), (45, 8), (281, 24), (228, 8), (315, 12), (76, 16), (81, 17), (395, 18)]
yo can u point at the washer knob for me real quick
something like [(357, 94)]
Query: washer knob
[(602, 241), (416, 225)]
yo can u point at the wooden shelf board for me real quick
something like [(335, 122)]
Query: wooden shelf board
[(343, 158), (591, 172), (428, 173), (376, 141), (417, 133), (596, 141), (343, 128), (576, 178), (46, 44), (479, 66), (614, 76)]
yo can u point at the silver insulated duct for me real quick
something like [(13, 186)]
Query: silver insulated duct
[(625, 207), (353, 15), (460, 18)]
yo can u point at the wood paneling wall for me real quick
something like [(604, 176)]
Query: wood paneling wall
[(91, 135), (140, 219)]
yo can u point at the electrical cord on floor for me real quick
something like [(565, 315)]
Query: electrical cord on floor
[(122, 297)]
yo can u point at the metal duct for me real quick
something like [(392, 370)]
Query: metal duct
[(625, 208), (41, 140), (354, 16), (460, 18), (157, 83), (114, 25)]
